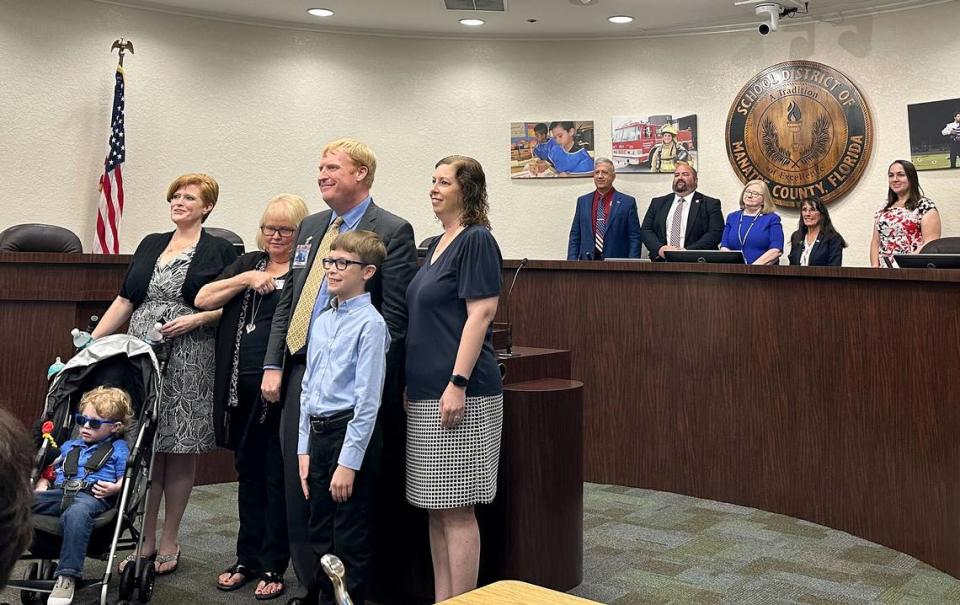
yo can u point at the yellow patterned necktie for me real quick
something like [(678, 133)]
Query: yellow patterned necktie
[(300, 322)]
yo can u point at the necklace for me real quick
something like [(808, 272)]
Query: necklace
[(743, 236), (255, 306), (178, 248)]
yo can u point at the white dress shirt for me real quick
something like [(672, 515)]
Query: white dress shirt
[(683, 219)]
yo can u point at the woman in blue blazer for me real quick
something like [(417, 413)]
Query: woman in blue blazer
[(816, 242), (755, 229)]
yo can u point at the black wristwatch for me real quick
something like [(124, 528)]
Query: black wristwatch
[(459, 381)]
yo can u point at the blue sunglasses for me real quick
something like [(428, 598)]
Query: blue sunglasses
[(94, 423)]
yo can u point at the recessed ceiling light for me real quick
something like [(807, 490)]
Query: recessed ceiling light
[(620, 19), (320, 12), (471, 22)]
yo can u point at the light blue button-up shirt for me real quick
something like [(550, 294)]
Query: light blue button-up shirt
[(346, 367)]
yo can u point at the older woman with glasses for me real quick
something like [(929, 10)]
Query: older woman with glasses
[(755, 229), (248, 291)]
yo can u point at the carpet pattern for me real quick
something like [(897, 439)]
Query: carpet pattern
[(640, 547)]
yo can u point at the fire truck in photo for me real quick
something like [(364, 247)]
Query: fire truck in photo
[(633, 141)]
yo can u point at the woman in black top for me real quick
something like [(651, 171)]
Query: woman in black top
[(167, 271), (454, 393), (248, 291), (816, 242)]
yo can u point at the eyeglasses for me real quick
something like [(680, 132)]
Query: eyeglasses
[(270, 231), (752, 194), (94, 423), (341, 263)]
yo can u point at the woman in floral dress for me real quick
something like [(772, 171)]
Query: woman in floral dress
[(907, 221)]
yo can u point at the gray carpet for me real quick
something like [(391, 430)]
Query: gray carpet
[(640, 547)]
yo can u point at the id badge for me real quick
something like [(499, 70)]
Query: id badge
[(301, 255)]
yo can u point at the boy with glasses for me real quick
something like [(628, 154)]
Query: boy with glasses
[(88, 476), (339, 447)]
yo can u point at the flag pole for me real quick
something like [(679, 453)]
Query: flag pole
[(110, 185)]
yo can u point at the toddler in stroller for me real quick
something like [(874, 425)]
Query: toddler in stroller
[(103, 406), (89, 473)]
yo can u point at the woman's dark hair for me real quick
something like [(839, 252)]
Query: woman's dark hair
[(826, 225), (16, 496), (915, 191), (473, 185)]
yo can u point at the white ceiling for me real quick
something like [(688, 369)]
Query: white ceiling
[(555, 19)]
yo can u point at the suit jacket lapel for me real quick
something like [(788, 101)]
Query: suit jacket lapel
[(317, 235), (585, 212), (695, 207), (615, 207), (368, 221)]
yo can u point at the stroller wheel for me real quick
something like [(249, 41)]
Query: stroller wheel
[(29, 597), (128, 580), (46, 570), (147, 575)]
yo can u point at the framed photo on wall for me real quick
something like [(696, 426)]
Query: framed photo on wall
[(654, 143), (551, 148), (934, 134)]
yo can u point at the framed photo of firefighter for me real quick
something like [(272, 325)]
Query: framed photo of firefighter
[(551, 148), (934, 134), (654, 143)]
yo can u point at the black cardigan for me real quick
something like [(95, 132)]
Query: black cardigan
[(212, 255), (226, 339)]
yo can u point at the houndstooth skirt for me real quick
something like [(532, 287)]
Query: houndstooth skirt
[(450, 468)]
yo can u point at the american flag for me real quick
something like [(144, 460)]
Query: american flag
[(110, 208)]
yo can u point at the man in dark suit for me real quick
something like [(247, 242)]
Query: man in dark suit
[(347, 169), (606, 223), (683, 220)]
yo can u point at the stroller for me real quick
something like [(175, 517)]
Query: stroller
[(135, 366)]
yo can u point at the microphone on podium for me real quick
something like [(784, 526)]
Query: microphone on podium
[(507, 326)]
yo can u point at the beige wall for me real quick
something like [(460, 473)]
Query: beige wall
[(253, 106)]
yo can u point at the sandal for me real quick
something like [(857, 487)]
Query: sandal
[(235, 569), (163, 560), (131, 558), (270, 577)]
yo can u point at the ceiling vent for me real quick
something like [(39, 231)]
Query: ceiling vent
[(475, 5)]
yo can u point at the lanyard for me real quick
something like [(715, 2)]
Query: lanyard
[(743, 237)]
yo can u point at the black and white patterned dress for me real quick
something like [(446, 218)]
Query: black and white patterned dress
[(186, 400)]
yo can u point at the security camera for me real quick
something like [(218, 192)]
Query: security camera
[(770, 10)]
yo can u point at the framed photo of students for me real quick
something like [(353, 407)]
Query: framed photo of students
[(654, 143), (551, 148), (934, 134)]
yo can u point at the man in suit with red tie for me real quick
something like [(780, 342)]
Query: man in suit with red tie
[(606, 223), (683, 220)]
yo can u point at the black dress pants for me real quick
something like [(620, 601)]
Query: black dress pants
[(262, 540), (342, 528)]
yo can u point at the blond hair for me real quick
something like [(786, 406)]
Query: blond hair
[(209, 188), (111, 404), (287, 205), (359, 152), (768, 206), (367, 245)]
